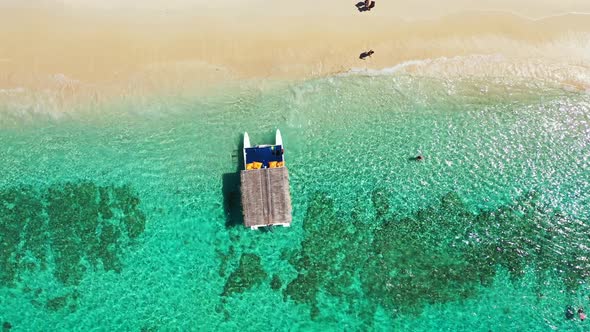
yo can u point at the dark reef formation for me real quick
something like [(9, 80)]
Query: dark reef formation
[(248, 274), (326, 260), (438, 254), (67, 228)]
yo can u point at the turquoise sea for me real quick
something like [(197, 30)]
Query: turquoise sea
[(125, 216)]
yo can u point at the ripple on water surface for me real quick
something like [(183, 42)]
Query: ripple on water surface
[(129, 216)]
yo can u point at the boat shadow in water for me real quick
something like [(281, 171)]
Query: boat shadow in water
[(232, 205), (231, 200)]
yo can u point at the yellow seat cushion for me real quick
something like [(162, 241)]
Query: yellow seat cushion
[(272, 164)]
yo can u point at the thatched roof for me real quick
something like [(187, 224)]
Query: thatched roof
[(265, 197)]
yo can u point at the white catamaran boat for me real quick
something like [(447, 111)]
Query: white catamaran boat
[(266, 200)]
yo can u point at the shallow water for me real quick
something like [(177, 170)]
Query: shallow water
[(489, 229)]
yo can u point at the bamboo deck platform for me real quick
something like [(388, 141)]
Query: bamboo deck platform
[(265, 197)]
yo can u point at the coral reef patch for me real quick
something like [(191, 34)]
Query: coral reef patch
[(67, 229), (438, 254), (248, 274)]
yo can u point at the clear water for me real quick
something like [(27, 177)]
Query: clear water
[(126, 216)]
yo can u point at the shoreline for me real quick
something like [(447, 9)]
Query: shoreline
[(211, 51)]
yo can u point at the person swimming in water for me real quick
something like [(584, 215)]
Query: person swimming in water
[(582, 314), (569, 312)]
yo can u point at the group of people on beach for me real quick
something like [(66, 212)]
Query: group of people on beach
[(570, 313), (365, 6)]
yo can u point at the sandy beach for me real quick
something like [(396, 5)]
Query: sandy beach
[(110, 46)]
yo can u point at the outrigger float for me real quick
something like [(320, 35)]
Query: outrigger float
[(266, 200)]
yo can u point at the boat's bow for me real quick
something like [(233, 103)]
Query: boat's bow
[(246, 145), (278, 138), (246, 140)]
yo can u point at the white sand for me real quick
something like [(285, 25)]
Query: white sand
[(107, 44)]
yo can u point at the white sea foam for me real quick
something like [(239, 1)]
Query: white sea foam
[(573, 75), (63, 79), (53, 100), (12, 91), (389, 70)]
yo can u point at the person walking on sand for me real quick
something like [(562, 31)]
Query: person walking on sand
[(364, 55)]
